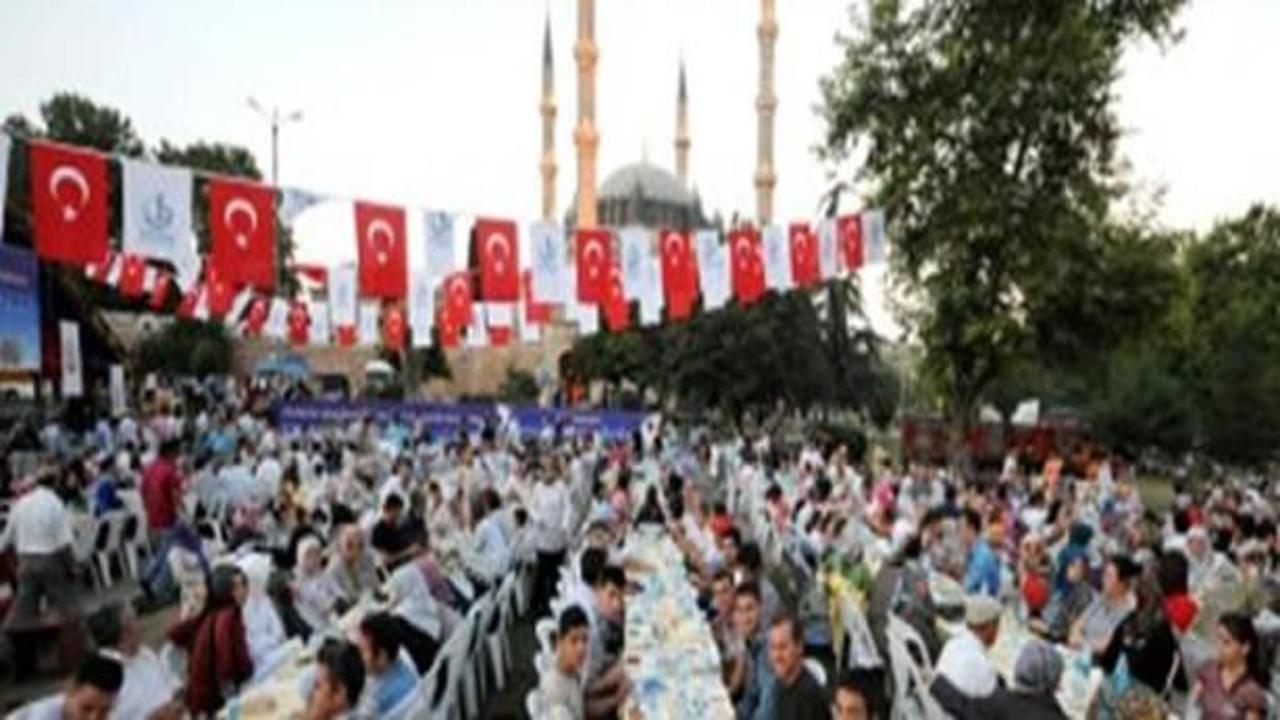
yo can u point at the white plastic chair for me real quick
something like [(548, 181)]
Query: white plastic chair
[(815, 668), (858, 639), (533, 704), (496, 630), (472, 653), (441, 682), (544, 631), (911, 677)]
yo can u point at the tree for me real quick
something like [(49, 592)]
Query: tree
[(989, 140), (186, 348), (77, 120)]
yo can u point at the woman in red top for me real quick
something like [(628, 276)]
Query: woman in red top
[(217, 651)]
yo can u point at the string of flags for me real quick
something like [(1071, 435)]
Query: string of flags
[(598, 275)]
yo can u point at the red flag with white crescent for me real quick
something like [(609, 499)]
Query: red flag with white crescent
[(380, 236), (806, 268), (257, 316), (160, 292), (346, 335), (679, 273), (133, 276), (242, 223), (69, 202), (499, 335), (101, 272), (849, 230), (535, 313), (593, 251), (457, 298), (498, 250), (450, 335), (617, 309), (393, 328), (221, 293), (746, 266), (190, 299)]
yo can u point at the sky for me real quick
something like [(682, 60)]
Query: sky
[(434, 103)]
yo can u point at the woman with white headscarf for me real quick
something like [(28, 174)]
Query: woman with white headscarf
[(423, 621), (314, 593), (262, 626)]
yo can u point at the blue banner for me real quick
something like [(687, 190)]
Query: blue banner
[(450, 419), (19, 310)]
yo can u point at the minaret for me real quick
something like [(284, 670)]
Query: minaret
[(766, 102), (547, 165), (682, 131), (585, 136)]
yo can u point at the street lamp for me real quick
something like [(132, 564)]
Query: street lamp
[(276, 119)]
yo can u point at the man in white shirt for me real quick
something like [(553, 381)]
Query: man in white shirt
[(963, 662), (150, 690), (39, 532), (492, 553), (90, 696), (549, 512)]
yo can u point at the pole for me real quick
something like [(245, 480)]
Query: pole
[(275, 150)]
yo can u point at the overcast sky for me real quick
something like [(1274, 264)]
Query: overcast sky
[(434, 103)]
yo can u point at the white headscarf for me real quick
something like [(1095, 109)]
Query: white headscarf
[(314, 593), (412, 600), (262, 627)]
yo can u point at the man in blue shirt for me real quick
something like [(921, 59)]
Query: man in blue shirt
[(981, 568), (390, 680)]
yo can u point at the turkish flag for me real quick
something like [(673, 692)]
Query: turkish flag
[(679, 273), (160, 293), (450, 337), (498, 250), (257, 317), (806, 271), (132, 276), (382, 255), (393, 328), (221, 293), (457, 298), (346, 335), (535, 313), (299, 323), (747, 267), (190, 299), (617, 309), (593, 251), (69, 201), (849, 230), (100, 272), (319, 274), (242, 222)]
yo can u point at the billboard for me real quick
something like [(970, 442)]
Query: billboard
[(19, 310)]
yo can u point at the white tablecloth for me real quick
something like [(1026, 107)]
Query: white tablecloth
[(670, 654)]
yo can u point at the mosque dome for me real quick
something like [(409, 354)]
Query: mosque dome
[(648, 181)]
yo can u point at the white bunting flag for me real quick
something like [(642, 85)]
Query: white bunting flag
[(277, 325), (318, 330), (72, 367), (157, 213), (477, 337), (777, 258), (342, 295), (422, 307), (828, 249), (119, 400), (5, 143), (713, 269), (239, 305), (295, 201), (635, 253), (873, 236), (440, 245), (588, 317), (548, 272), (367, 331), (499, 314), (651, 298), (530, 332)]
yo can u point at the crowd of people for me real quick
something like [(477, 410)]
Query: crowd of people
[(368, 542)]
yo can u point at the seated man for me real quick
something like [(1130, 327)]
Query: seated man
[(797, 695), (852, 699), (757, 694), (560, 688), (150, 689), (390, 680), (964, 664), (351, 569), (339, 682), (606, 678), (395, 536), (90, 697), (1093, 630)]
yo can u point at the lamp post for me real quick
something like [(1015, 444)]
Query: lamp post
[(276, 118)]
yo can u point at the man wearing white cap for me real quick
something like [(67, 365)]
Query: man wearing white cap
[(963, 662)]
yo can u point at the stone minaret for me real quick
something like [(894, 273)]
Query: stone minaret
[(547, 165), (682, 131), (766, 102), (585, 135)]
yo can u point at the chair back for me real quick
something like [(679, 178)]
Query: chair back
[(908, 658)]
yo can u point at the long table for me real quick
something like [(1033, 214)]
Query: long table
[(669, 651)]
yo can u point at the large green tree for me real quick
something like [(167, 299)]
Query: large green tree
[(985, 129)]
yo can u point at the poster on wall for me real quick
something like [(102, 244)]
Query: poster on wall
[(19, 310), (72, 372), (119, 401)]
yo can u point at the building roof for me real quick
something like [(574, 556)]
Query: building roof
[(653, 183)]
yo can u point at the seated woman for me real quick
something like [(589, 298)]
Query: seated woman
[(1145, 641), (262, 624), (389, 679), (1231, 687), (315, 596), (420, 618), (218, 660)]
